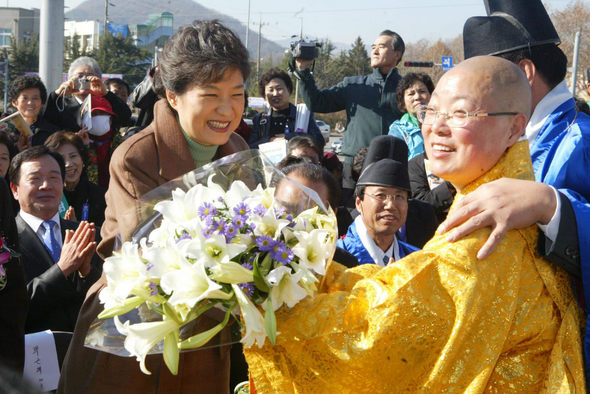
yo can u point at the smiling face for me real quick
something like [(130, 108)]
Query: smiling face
[(28, 103), (210, 113), (383, 218), (74, 164), (277, 94), (416, 96), (39, 189), (462, 154)]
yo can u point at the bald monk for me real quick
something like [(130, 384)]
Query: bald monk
[(441, 320)]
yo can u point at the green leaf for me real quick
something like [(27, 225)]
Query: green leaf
[(202, 338), (171, 352), (270, 322), (259, 278), (129, 304)]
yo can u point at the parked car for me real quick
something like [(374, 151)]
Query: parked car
[(337, 146), (324, 128)]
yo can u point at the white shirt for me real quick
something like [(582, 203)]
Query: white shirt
[(552, 100), (36, 224), (376, 253)]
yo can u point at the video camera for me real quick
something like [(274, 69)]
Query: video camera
[(305, 50)]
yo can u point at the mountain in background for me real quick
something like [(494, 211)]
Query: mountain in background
[(184, 12)]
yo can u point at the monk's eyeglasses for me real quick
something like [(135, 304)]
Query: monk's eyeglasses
[(457, 118)]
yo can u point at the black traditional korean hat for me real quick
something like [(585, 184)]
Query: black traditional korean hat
[(510, 25), (386, 164)]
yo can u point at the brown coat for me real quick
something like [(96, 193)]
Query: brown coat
[(155, 156)]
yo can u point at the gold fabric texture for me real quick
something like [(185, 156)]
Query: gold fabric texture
[(438, 320)]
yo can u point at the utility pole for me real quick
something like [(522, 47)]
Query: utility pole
[(51, 43), (248, 24), (260, 24), (575, 63)]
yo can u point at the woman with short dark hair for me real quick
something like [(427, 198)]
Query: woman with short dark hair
[(413, 91), (276, 86), (201, 76), (85, 197), (28, 95)]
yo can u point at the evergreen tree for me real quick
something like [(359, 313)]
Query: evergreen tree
[(358, 59)]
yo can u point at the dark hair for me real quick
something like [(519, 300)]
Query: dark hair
[(582, 106), (549, 60), (359, 191), (111, 81), (357, 163), (289, 161), (199, 54), (61, 138), (6, 140), (273, 73), (318, 175), (31, 154), (27, 82), (406, 82), (398, 42), (303, 141)]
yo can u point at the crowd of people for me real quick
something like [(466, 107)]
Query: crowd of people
[(463, 262)]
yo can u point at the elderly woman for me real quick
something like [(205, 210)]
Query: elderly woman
[(201, 76), (275, 86), (86, 198), (413, 91), (28, 95), (84, 78)]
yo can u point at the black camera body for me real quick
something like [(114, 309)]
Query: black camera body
[(305, 50)]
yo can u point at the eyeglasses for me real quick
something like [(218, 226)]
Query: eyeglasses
[(458, 118), (382, 197)]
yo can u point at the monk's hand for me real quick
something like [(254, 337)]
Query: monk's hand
[(504, 204)]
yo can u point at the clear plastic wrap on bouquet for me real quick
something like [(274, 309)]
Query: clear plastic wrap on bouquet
[(213, 249)]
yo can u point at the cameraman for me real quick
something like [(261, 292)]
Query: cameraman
[(84, 76), (369, 100)]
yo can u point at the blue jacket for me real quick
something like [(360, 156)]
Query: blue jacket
[(561, 158), (261, 128), (353, 244), (369, 101), (407, 129)]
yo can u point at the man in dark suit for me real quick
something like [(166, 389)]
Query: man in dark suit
[(58, 256)]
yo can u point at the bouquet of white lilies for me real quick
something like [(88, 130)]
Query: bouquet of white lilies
[(230, 248)]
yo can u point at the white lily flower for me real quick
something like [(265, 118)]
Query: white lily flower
[(178, 210), (284, 287), (125, 271), (237, 193), (231, 272), (312, 251), (161, 260), (189, 285), (268, 224), (253, 320), (142, 337), (214, 250)]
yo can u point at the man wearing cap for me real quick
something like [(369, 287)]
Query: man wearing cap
[(382, 202), (369, 100), (440, 320), (559, 142)]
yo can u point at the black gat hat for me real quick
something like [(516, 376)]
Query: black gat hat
[(386, 164), (509, 26)]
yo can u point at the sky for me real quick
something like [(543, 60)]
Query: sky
[(342, 20)]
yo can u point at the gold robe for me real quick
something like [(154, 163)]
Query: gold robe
[(438, 320)]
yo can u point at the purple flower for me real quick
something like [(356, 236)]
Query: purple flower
[(281, 253), (265, 243), (149, 266), (242, 209), (207, 232), (230, 232), (184, 235), (279, 211), (239, 221), (247, 288), (207, 210), (154, 288), (248, 265), (260, 210)]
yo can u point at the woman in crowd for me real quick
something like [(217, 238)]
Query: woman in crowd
[(86, 198), (413, 91), (201, 76), (276, 87), (28, 95), (7, 152)]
